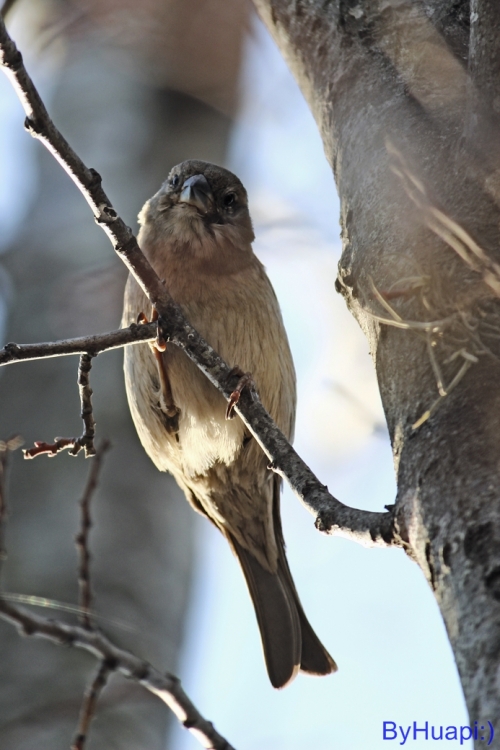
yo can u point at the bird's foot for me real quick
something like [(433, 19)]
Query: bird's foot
[(159, 343), (245, 381)]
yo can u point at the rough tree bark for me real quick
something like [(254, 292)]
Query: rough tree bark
[(405, 95)]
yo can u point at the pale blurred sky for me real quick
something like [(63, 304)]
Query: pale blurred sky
[(372, 608)]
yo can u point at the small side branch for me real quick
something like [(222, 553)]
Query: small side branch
[(166, 686), (92, 345), (82, 538), (89, 705), (86, 439), (88, 347), (51, 449)]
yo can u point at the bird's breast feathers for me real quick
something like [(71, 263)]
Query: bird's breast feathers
[(239, 317)]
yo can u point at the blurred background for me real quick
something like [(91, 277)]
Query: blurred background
[(136, 89)]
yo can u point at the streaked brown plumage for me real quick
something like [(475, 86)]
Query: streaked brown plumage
[(197, 233)]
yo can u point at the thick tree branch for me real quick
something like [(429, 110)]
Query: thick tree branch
[(331, 515)]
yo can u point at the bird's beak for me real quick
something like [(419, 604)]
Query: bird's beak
[(196, 192)]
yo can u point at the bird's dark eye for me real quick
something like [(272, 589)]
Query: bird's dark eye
[(229, 200), (174, 181)]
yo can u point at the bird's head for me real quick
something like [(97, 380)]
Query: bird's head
[(200, 205)]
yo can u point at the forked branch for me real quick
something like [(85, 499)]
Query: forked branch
[(331, 515), (113, 659), (166, 686)]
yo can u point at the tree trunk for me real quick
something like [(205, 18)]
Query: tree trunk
[(407, 122)]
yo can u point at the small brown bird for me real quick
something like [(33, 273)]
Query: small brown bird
[(197, 234)]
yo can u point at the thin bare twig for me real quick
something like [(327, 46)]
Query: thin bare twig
[(87, 347), (87, 439), (425, 326), (426, 329), (166, 686), (103, 342), (82, 538), (43, 602), (6, 448), (435, 365), (89, 704), (456, 380), (332, 516), (50, 449)]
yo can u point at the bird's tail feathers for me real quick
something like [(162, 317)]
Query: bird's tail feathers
[(289, 642), (314, 659), (277, 617)]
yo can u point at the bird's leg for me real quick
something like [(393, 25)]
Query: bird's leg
[(245, 381), (158, 347)]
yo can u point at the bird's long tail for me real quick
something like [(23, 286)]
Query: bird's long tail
[(289, 642)]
